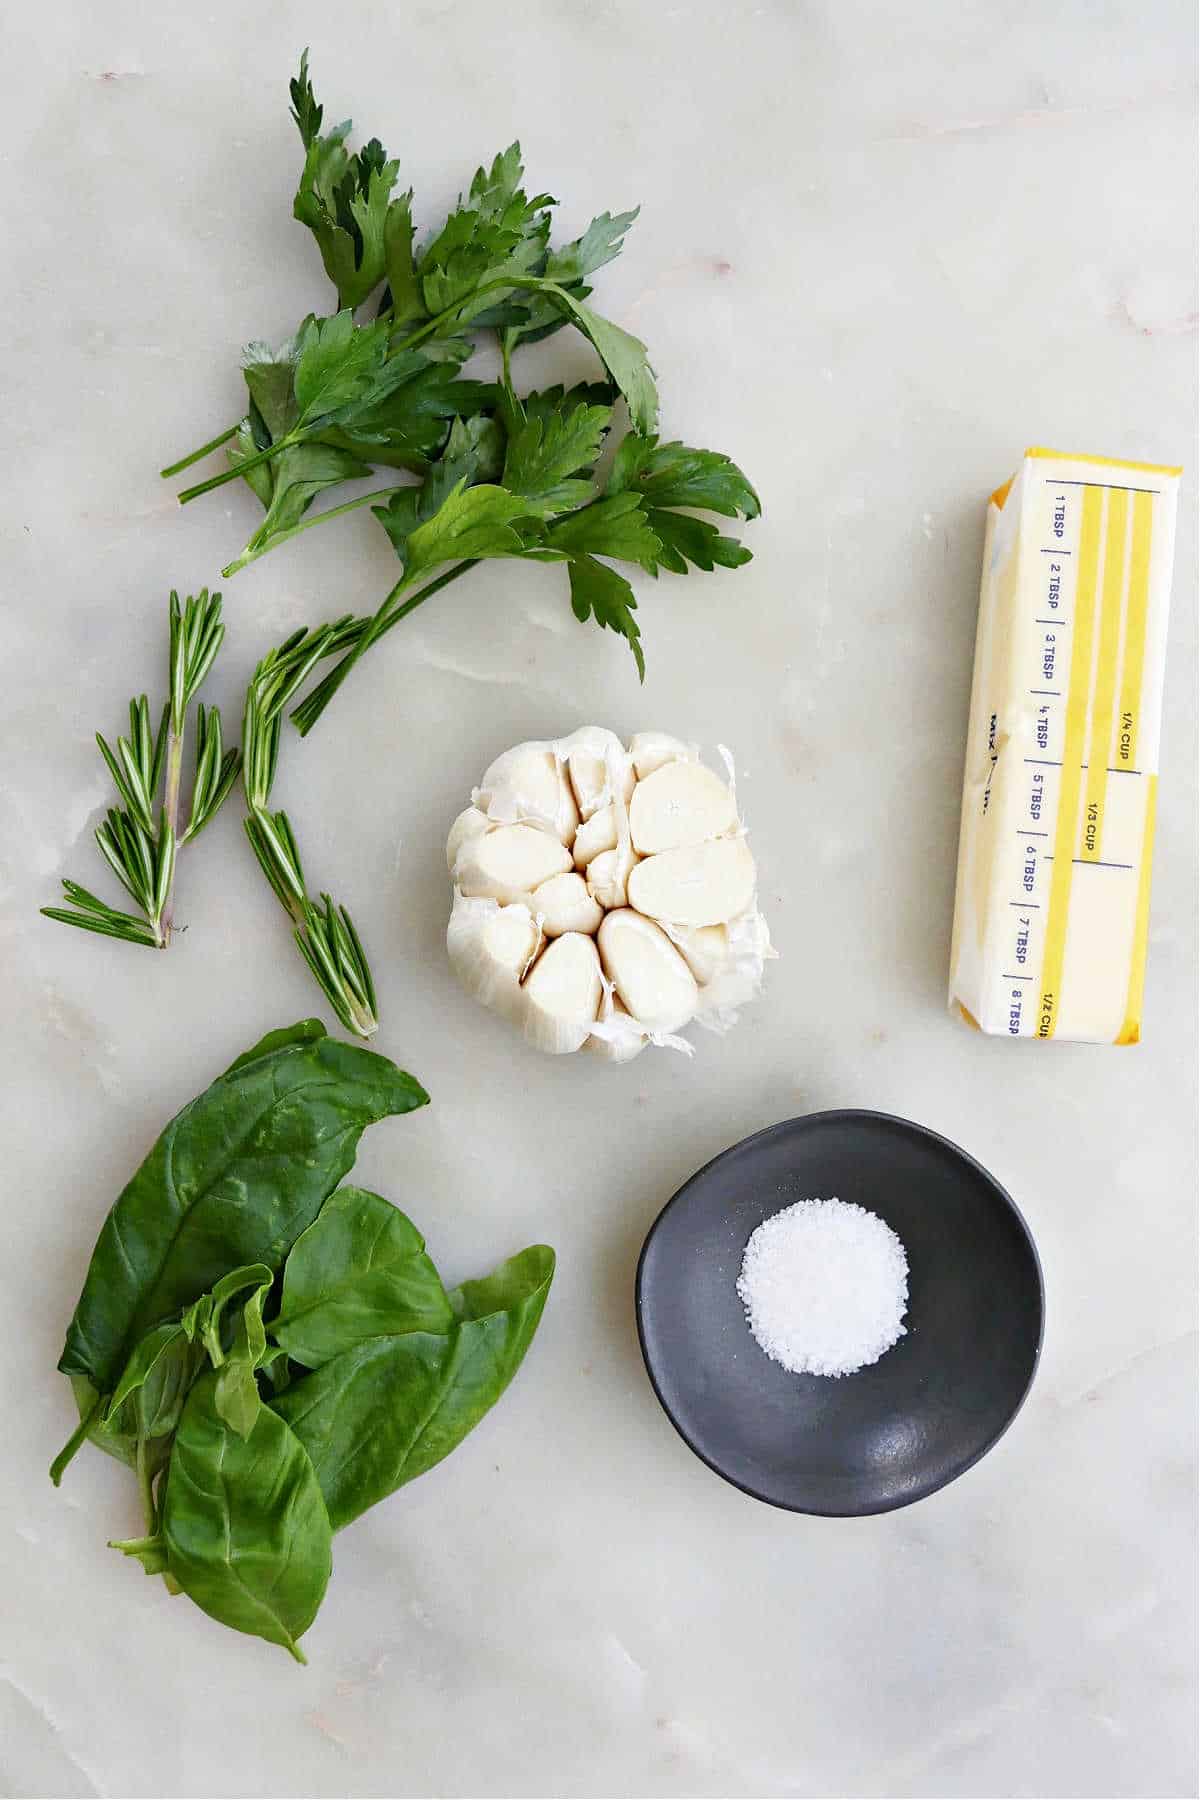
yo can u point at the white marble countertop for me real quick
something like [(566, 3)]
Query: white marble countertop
[(882, 249)]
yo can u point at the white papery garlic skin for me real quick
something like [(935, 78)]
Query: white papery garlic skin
[(603, 896)]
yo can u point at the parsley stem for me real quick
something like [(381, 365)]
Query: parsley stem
[(237, 469), (252, 551), (196, 456), (306, 715)]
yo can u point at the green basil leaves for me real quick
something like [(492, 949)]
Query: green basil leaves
[(273, 1354), (235, 1178), (389, 1408)]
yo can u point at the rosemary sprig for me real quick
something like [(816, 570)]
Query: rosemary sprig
[(140, 838), (324, 934)]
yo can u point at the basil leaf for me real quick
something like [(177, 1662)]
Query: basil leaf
[(304, 1031), (360, 1271), (205, 1320), (234, 1178), (246, 1532), (236, 1395), (379, 1415), (141, 1365)]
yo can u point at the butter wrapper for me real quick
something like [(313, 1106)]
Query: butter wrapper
[(1053, 898)]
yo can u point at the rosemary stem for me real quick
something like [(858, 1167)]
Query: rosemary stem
[(162, 925)]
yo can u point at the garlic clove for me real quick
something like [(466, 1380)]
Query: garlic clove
[(705, 949), (681, 803), (739, 980), (594, 835), (564, 904), (509, 861), (650, 750), (608, 876), (651, 978), (705, 884), (490, 948), (528, 785), (598, 766), (562, 994), (616, 1037), (469, 823)]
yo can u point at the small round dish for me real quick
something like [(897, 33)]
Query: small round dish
[(911, 1422)]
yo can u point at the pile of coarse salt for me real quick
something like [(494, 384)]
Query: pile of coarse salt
[(825, 1287)]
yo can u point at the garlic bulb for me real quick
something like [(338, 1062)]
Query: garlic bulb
[(603, 896)]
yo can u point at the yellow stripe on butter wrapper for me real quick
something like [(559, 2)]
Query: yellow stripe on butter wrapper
[(1131, 1029), (1104, 697), (1133, 668)]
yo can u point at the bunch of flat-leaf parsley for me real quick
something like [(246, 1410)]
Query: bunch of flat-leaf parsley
[(500, 473)]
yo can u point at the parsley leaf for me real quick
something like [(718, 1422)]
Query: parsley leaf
[(496, 232), (345, 199), (244, 447), (569, 266), (557, 443), (673, 475), (346, 205), (685, 540), (540, 403), (624, 356), (305, 111), (408, 427), (473, 453), (403, 293), (601, 243), (676, 475), (598, 592), (270, 377), (298, 475), (339, 366), (471, 522), (616, 526)]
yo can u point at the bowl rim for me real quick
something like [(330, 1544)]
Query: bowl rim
[(769, 1131)]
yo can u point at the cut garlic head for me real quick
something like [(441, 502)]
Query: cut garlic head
[(604, 896)]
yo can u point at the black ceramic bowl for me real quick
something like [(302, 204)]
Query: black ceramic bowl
[(931, 1406)]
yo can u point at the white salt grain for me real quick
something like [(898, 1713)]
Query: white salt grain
[(825, 1287)]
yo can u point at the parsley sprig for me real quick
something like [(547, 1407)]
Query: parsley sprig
[(497, 473)]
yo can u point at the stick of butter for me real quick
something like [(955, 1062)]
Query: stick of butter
[(1053, 896)]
